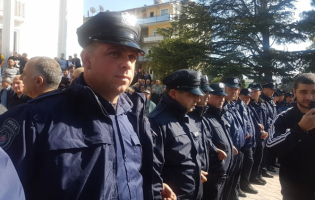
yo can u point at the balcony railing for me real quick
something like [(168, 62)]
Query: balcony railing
[(160, 18), (19, 8), (152, 39)]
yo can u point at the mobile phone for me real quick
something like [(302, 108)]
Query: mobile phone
[(312, 105)]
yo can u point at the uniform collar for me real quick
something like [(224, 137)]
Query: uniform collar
[(175, 107), (264, 97), (215, 111), (123, 106)]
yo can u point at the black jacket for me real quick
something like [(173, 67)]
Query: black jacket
[(77, 62), (218, 138), (18, 100), (10, 94), (296, 150), (176, 149)]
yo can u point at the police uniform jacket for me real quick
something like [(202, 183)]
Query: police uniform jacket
[(259, 114), (271, 112), (245, 122), (218, 138), (285, 106), (176, 149), (62, 145), (236, 130), (296, 150), (198, 116)]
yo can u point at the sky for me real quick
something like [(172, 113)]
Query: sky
[(118, 5)]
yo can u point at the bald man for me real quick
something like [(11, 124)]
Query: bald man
[(18, 97), (40, 75)]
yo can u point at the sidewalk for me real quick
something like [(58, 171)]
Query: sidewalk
[(270, 191)]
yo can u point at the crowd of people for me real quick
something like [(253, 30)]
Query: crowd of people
[(90, 132)]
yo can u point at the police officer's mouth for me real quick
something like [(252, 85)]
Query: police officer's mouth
[(123, 77)]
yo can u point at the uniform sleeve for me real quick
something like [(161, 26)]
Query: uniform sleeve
[(209, 144), (158, 158), (11, 187), (17, 136), (283, 139)]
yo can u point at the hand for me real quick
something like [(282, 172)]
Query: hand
[(247, 136), (308, 121), (264, 135), (261, 127), (167, 193), (221, 154), (203, 176), (235, 150)]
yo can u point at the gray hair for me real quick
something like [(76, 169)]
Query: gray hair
[(49, 69), (7, 79)]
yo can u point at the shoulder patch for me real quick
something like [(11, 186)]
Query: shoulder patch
[(9, 129)]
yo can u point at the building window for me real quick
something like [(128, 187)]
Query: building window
[(164, 12), (154, 33), (149, 51), (151, 14)]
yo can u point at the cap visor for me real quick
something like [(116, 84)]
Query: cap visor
[(219, 93), (206, 88), (232, 86), (123, 43), (195, 90)]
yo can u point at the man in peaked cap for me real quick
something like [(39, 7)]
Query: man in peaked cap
[(219, 144), (236, 115), (177, 139), (258, 108), (288, 102), (250, 143), (101, 146), (198, 116), (267, 96)]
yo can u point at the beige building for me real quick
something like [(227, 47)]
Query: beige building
[(151, 17)]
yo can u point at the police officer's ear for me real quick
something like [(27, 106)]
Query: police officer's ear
[(85, 56), (172, 93), (294, 92)]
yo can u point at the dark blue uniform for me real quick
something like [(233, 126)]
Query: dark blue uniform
[(73, 144), (177, 142), (176, 149), (217, 138)]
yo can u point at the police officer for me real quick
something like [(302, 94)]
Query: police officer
[(281, 100), (198, 116), (293, 142), (288, 103), (259, 110), (89, 141), (177, 137), (267, 95), (250, 143), (238, 132), (219, 142)]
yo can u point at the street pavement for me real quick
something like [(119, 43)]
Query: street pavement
[(270, 191)]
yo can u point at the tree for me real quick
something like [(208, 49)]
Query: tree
[(240, 36)]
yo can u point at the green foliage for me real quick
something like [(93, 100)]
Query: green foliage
[(225, 38)]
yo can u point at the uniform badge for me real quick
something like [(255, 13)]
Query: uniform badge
[(196, 134), (8, 131), (221, 85), (206, 77), (198, 75), (128, 19), (235, 80)]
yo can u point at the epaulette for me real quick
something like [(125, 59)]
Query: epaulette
[(158, 109), (49, 94)]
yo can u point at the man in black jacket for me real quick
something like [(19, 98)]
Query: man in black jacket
[(18, 98), (293, 141)]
